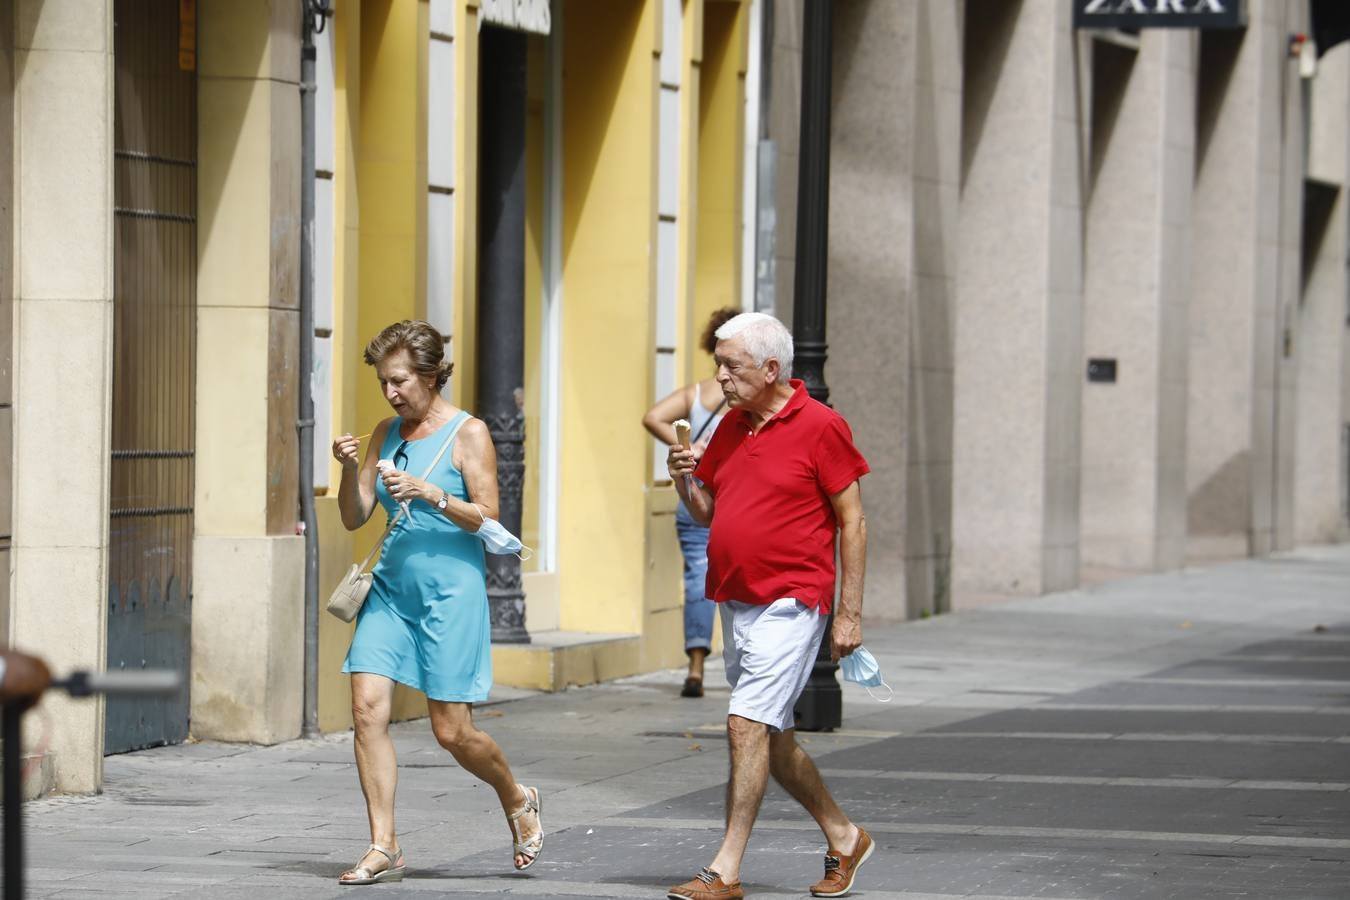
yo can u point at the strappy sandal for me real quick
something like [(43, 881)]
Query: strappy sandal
[(530, 848), (395, 872)]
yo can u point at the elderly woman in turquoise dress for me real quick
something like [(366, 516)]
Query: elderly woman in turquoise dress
[(425, 621)]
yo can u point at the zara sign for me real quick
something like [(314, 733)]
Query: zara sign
[(1159, 13)]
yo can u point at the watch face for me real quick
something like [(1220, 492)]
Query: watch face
[(443, 502)]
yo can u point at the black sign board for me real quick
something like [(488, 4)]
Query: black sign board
[(1134, 14), (1102, 370)]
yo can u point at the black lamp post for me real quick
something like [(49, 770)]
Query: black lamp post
[(821, 705), (501, 303)]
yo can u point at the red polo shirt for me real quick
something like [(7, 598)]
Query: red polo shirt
[(773, 528)]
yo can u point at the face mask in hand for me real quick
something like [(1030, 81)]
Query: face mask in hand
[(861, 667), (496, 539)]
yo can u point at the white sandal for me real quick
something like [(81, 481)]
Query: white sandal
[(395, 872), (534, 845)]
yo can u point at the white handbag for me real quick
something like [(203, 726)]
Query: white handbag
[(346, 600)]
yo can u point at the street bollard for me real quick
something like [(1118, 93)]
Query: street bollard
[(78, 684)]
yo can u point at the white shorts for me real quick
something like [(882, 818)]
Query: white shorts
[(769, 651)]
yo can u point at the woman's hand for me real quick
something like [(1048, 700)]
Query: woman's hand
[(402, 487), (346, 450)]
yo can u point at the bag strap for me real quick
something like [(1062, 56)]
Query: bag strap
[(707, 421), (464, 417)]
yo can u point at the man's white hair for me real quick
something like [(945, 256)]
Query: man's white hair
[(763, 337)]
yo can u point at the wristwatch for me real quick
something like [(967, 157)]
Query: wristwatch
[(442, 503)]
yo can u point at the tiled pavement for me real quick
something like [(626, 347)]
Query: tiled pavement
[(1183, 735)]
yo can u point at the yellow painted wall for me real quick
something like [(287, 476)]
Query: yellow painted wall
[(609, 229), (380, 119), (712, 95), (688, 213), (663, 596), (720, 137), (464, 385), (536, 145), (618, 561)]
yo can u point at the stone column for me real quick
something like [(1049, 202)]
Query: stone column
[(247, 616), (1321, 476), (63, 118), (1018, 368), (895, 189), (1135, 299), (1235, 286), (1289, 168)]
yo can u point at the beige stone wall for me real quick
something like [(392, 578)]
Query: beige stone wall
[(1320, 470), (999, 214), (895, 153), (871, 265), (62, 329), (6, 303), (1136, 288), (1239, 423), (1018, 345), (784, 115), (1287, 170), (247, 619)]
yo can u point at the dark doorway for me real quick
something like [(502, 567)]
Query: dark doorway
[(154, 362)]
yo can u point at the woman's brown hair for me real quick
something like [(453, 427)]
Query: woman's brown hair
[(719, 318), (424, 344)]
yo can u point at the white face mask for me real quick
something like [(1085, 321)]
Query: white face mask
[(496, 539), (861, 667)]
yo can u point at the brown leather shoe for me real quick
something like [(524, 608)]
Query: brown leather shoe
[(706, 885), (840, 868)]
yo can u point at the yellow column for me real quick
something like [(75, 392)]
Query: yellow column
[(391, 169), (609, 227), (721, 95), (247, 616), (464, 384)]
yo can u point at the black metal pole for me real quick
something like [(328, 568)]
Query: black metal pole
[(501, 302), (11, 719), (821, 705), (312, 16)]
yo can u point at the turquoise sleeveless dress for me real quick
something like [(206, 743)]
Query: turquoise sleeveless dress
[(425, 621)]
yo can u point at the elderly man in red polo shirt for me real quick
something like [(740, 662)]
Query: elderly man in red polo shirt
[(777, 483)]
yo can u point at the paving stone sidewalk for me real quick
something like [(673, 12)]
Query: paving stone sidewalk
[(1181, 735)]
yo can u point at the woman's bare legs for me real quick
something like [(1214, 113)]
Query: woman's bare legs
[(696, 657), (480, 756), (372, 700)]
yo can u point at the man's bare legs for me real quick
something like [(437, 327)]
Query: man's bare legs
[(794, 770), (481, 757), (748, 742), (372, 699), (755, 754)]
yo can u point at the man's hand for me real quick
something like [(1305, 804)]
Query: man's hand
[(680, 462), (845, 636)]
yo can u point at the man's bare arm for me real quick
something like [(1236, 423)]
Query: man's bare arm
[(697, 499), (848, 510)]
